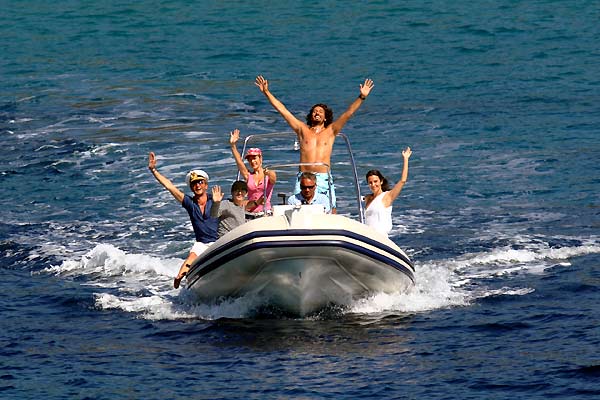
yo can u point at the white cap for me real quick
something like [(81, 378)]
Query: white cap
[(194, 175)]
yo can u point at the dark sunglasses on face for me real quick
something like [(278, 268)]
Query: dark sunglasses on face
[(303, 187), (200, 182)]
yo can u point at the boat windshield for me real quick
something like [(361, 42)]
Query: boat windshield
[(280, 147)]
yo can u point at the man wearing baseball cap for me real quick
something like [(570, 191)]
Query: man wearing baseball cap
[(198, 208)]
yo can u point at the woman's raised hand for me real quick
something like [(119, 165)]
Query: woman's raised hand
[(234, 136)]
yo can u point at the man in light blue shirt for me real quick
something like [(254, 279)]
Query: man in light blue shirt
[(308, 194)]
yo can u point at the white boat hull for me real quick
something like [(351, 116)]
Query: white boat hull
[(300, 262)]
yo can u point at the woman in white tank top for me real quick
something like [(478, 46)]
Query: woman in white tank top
[(378, 213)]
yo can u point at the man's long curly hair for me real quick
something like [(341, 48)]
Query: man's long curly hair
[(328, 114)]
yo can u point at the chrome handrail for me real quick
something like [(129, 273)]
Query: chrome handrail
[(264, 136), (277, 167)]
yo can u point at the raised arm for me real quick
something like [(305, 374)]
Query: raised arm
[(292, 121), (390, 196), (217, 196), (233, 138), (163, 180), (339, 123)]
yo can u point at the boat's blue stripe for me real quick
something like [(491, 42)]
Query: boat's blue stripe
[(310, 232), (211, 266)]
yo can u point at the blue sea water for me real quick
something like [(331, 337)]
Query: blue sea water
[(500, 102)]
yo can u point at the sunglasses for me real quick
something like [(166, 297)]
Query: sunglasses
[(199, 182), (307, 187)]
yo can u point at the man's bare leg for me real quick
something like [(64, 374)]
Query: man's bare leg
[(185, 267)]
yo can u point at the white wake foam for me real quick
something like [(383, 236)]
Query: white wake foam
[(107, 260), (142, 284)]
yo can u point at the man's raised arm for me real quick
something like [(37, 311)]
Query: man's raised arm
[(163, 180), (339, 123), (292, 121)]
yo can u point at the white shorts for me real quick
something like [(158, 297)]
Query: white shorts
[(200, 247)]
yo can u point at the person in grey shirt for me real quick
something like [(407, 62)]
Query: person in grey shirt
[(231, 212)]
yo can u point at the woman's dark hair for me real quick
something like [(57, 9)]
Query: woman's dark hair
[(328, 114), (385, 186)]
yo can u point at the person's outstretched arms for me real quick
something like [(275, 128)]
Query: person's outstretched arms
[(292, 121), (390, 196), (365, 89), (163, 180), (233, 138)]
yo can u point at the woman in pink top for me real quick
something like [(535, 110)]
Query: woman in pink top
[(256, 178)]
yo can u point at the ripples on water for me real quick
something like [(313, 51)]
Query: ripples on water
[(500, 214)]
